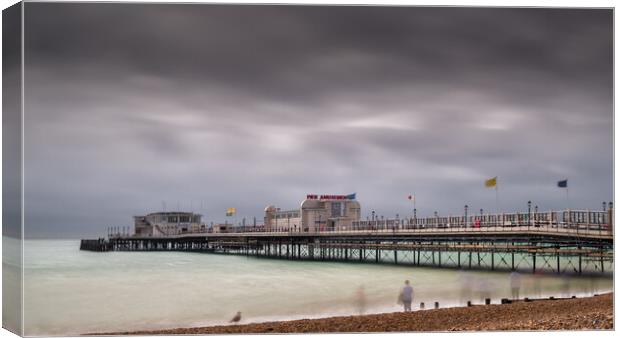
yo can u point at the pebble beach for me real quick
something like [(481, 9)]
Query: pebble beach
[(590, 313)]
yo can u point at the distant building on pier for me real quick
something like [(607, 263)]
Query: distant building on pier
[(317, 212), (167, 223)]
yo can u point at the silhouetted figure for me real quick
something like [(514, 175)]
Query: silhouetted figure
[(360, 300), (466, 285), (406, 296), (236, 318), (515, 284), (484, 289), (538, 290), (565, 286)]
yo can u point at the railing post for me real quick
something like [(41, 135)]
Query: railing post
[(610, 218)]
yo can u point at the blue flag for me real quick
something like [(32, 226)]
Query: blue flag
[(351, 196), (563, 184)]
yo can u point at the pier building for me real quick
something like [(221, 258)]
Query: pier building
[(316, 213), (161, 224), (222, 228)]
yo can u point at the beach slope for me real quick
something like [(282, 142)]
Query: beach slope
[(591, 313)]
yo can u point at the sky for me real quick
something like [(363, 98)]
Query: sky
[(204, 107)]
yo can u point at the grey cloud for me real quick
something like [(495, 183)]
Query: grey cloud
[(128, 105)]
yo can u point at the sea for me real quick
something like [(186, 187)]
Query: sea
[(71, 292)]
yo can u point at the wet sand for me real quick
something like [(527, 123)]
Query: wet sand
[(591, 313)]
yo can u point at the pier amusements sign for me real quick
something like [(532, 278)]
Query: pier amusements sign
[(331, 197)]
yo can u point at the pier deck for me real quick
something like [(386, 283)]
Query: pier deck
[(542, 248)]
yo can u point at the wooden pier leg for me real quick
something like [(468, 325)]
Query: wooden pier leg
[(377, 253), (395, 257), (418, 256), (533, 262), (492, 260), (439, 257), (458, 257), (470, 259), (579, 247), (602, 262), (558, 258)]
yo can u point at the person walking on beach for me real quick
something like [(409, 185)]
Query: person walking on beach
[(515, 284), (406, 296), (360, 300)]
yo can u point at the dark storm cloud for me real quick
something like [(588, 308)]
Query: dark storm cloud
[(128, 105)]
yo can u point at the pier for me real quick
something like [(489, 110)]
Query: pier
[(565, 242)]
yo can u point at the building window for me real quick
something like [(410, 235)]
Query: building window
[(336, 209)]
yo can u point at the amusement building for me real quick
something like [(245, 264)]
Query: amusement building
[(167, 223), (316, 213)]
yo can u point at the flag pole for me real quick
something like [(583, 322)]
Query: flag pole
[(496, 199)]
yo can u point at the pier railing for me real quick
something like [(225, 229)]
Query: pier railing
[(575, 222)]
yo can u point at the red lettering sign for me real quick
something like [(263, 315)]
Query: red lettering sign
[(326, 197), (333, 197)]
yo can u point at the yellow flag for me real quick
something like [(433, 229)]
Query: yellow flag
[(231, 211), (491, 182)]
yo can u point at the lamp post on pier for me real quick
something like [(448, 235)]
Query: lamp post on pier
[(610, 216), (604, 206), (466, 215), (529, 213)]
